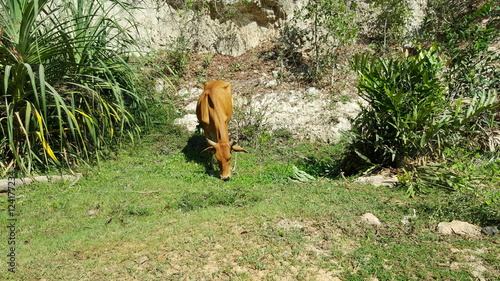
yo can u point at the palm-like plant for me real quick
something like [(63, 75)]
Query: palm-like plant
[(66, 87), (410, 115)]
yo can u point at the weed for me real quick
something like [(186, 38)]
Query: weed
[(235, 67), (207, 59), (251, 124), (178, 57), (283, 134)]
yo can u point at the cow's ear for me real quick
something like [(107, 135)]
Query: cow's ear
[(210, 148), (238, 149)]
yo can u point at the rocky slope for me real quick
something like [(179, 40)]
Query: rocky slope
[(232, 27), (267, 96)]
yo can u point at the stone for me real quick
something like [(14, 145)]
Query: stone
[(458, 228), (287, 224), (191, 107), (408, 218), (270, 84), (371, 219), (379, 180), (189, 121), (490, 230), (312, 91)]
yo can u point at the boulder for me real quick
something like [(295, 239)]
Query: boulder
[(189, 121), (459, 228)]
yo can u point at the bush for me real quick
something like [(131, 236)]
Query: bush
[(409, 114), (405, 97), (67, 88), (472, 66), (333, 26), (391, 22)]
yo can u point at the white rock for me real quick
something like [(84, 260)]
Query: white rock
[(289, 224), (189, 121), (370, 219), (407, 219), (189, 94), (271, 83), (160, 85), (378, 180), (308, 113), (313, 91), (191, 107), (459, 228)]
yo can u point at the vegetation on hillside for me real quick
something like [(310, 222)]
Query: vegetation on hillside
[(432, 106), (66, 83)]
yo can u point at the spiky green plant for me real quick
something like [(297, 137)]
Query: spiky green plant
[(65, 83), (409, 114)]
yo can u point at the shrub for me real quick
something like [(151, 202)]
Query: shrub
[(404, 97), (390, 26), (333, 26), (449, 14), (250, 124), (472, 66), (66, 85), (409, 115)]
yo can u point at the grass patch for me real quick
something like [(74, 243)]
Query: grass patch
[(154, 212), (233, 198)]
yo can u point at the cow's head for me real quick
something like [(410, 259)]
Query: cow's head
[(222, 151)]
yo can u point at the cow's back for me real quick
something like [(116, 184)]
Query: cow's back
[(214, 108)]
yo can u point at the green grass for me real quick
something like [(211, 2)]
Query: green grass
[(156, 213)]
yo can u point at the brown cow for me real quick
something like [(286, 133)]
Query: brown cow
[(214, 110)]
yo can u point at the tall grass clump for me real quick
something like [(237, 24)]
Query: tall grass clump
[(66, 85)]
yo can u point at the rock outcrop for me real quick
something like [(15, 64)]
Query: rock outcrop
[(230, 27)]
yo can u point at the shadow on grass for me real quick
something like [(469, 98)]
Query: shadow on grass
[(319, 167), (193, 152), (458, 205)]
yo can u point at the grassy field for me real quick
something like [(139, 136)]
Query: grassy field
[(153, 212)]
